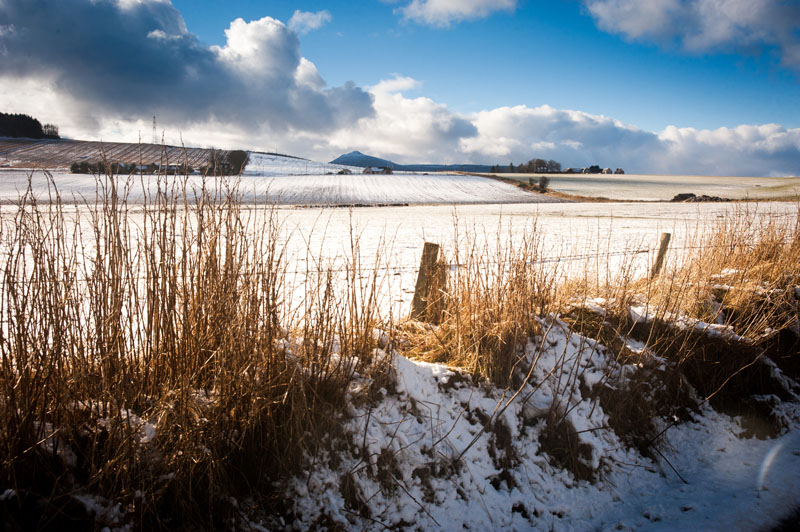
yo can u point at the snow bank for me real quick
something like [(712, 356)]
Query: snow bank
[(442, 452)]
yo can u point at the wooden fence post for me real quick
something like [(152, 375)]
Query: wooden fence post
[(422, 290), (662, 251)]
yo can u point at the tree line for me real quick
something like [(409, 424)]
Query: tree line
[(534, 166), (540, 166), (218, 163), (20, 125)]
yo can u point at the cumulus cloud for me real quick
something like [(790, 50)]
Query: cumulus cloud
[(128, 58), (516, 134), (407, 129), (707, 25), (445, 12), (770, 150), (303, 21), (416, 129), (577, 138)]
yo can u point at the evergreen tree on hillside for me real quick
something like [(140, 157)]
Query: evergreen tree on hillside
[(20, 125)]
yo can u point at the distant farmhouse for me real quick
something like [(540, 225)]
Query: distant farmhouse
[(377, 170), (594, 169)]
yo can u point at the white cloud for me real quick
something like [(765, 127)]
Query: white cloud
[(755, 150), (445, 12), (406, 129), (263, 48), (124, 59), (418, 129), (302, 21), (706, 25), (516, 134), (308, 75)]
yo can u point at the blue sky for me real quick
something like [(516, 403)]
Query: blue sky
[(663, 86), (539, 53)]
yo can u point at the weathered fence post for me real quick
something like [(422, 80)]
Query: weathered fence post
[(662, 251), (425, 281)]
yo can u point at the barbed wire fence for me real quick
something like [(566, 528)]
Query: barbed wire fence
[(452, 266)]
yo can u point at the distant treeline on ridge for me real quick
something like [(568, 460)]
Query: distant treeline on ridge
[(534, 166), (540, 166), (19, 125)]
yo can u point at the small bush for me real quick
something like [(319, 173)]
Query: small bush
[(544, 183)]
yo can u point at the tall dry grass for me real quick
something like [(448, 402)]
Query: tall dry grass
[(151, 353), (725, 302), (489, 303), (724, 309)]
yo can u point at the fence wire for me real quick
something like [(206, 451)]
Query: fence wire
[(414, 268)]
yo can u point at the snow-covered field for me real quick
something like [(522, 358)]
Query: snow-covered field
[(280, 185), (664, 187), (267, 165), (576, 237), (296, 181)]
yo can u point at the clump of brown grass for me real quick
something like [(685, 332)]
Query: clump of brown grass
[(740, 275), (714, 315), (489, 306), (150, 353)]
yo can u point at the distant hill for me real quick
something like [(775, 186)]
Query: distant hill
[(356, 158), (61, 153)]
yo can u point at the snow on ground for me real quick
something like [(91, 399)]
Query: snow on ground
[(577, 237), (442, 453), (304, 182), (398, 188), (285, 182), (269, 165), (632, 187), (505, 478)]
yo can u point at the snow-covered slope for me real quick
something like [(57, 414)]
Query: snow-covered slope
[(303, 182), (442, 453), (407, 188), (267, 165), (292, 181)]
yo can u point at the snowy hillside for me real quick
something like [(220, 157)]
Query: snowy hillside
[(398, 188), (293, 181), (303, 182), (265, 164), (441, 452)]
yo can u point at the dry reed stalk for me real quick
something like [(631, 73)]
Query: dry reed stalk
[(154, 347)]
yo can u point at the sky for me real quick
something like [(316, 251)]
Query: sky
[(707, 87)]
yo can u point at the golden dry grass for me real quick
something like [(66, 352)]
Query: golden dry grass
[(182, 324)]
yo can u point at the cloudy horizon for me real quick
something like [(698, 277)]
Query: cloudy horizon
[(102, 69)]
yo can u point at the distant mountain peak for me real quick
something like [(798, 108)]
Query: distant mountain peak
[(356, 158)]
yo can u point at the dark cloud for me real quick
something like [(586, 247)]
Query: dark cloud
[(136, 57)]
